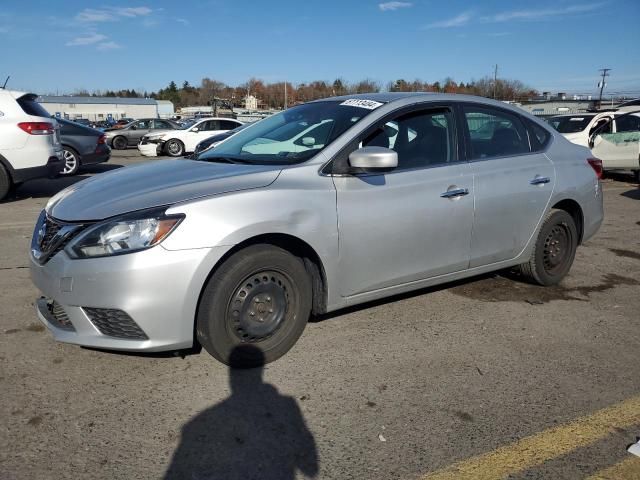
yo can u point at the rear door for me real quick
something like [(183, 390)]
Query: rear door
[(413, 222), (513, 182), (135, 134), (621, 148)]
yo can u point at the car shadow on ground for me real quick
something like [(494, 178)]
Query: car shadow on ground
[(254, 433), (633, 194), (47, 187)]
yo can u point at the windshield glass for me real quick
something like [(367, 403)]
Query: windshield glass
[(570, 124), (289, 137)]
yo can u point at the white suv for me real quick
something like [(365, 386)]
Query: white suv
[(29, 141)]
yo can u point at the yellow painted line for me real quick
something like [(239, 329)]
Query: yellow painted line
[(540, 447), (628, 469)]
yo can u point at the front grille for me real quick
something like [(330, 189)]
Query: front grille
[(56, 315), (115, 323), (51, 229), (52, 236)]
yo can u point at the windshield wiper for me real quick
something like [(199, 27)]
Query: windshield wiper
[(224, 160)]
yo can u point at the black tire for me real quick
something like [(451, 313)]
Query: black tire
[(119, 143), (554, 250), (174, 147), (5, 182), (256, 305), (71, 161), (636, 176)]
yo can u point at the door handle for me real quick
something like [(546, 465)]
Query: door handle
[(538, 180), (455, 192)]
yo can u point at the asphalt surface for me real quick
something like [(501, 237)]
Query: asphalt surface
[(403, 388)]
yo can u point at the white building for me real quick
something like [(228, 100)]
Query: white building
[(101, 108), (250, 102)]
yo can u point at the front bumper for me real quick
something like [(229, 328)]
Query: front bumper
[(157, 288), (150, 149)]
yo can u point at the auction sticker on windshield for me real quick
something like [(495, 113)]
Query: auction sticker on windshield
[(368, 104)]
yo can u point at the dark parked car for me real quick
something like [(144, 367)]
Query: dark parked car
[(83, 121), (82, 146), (130, 134)]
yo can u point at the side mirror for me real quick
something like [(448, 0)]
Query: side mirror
[(133, 127), (308, 141), (195, 129), (374, 158)]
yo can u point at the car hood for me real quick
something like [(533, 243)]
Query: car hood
[(148, 185)]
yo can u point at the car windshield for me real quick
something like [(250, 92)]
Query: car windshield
[(187, 124), (289, 137), (570, 124)]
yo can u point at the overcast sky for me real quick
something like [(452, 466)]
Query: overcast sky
[(49, 46)]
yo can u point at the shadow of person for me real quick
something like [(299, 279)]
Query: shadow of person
[(256, 433)]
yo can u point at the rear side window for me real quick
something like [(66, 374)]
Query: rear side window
[(495, 133), (627, 123), (31, 107), (538, 136), (227, 125)]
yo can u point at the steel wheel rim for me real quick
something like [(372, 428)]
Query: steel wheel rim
[(70, 162), (556, 249), (119, 143), (259, 306), (174, 147)]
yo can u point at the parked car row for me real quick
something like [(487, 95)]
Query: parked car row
[(612, 136), (183, 140)]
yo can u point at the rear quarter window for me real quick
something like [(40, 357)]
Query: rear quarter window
[(539, 137), (29, 106)]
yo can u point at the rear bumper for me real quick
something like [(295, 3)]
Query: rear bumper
[(100, 156), (51, 170)]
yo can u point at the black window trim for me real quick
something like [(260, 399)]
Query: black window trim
[(525, 124), (327, 168)]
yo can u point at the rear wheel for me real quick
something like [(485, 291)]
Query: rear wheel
[(119, 143), (71, 161), (554, 250), (255, 305), (174, 147), (5, 182)]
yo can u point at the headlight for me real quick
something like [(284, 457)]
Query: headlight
[(126, 234)]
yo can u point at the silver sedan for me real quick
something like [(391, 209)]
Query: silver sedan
[(325, 205)]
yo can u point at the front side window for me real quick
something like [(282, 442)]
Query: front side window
[(143, 124), (209, 126), (161, 124), (289, 137), (494, 133), (421, 139)]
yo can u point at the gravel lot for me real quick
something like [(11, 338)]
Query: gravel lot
[(393, 389)]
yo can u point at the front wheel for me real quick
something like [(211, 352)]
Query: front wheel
[(255, 305), (554, 250), (174, 147)]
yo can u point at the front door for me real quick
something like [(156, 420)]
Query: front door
[(513, 183), (411, 223)]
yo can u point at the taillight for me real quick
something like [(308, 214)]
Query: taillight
[(596, 164), (102, 139), (37, 128)]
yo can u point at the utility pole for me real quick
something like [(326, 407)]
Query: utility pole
[(495, 81), (602, 84), (285, 95)]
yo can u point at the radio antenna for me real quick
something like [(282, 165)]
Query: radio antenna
[(5, 82)]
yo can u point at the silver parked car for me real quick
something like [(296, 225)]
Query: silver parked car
[(325, 205), (131, 133)]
